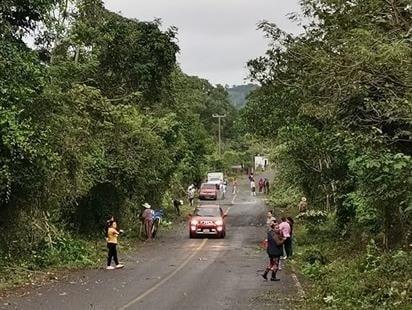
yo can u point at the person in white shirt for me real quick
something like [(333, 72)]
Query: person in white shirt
[(253, 188), (191, 194), (234, 186), (222, 189)]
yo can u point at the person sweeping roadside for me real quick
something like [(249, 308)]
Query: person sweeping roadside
[(274, 250), (148, 220)]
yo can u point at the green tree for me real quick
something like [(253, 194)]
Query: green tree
[(339, 92)]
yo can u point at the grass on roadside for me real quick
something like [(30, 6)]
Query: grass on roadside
[(350, 273), (42, 265), (345, 272), (69, 253)]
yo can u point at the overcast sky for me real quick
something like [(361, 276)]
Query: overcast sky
[(216, 37)]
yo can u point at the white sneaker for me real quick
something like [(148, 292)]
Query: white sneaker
[(119, 266), (110, 268)]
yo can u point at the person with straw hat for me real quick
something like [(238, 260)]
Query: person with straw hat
[(148, 220), (303, 205)]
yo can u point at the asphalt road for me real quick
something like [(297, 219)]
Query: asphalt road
[(175, 272)]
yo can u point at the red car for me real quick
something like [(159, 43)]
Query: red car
[(207, 220), (208, 191)]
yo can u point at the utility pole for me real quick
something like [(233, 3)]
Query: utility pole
[(219, 117)]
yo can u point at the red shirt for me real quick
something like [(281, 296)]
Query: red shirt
[(148, 215)]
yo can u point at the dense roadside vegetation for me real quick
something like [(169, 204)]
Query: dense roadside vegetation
[(336, 101), (95, 118)]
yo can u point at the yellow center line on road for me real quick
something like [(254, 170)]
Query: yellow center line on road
[(163, 281)]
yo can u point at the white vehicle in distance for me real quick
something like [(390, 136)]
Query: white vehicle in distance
[(215, 178)]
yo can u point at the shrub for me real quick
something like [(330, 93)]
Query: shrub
[(370, 280), (284, 196), (313, 217)]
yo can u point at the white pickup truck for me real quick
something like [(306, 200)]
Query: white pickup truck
[(215, 178)]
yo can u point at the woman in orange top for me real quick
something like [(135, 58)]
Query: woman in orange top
[(112, 234)]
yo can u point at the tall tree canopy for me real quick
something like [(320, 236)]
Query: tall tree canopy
[(95, 119), (338, 101)]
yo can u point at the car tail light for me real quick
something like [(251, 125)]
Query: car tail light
[(219, 222), (194, 222)]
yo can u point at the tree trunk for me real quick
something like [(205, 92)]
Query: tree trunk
[(393, 228), (76, 56)]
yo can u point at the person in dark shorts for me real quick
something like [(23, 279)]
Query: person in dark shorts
[(266, 186), (274, 250), (177, 203)]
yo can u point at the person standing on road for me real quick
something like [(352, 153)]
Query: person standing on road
[(234, 186), (269, 220), (266, 186), (225, 183), (291, 222), (261, 184), (274, 250), (285, 229), (148, 220), (112, 234), (191, 191), (253, 188), (223, 187)]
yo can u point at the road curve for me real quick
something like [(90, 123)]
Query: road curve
[(175, 272)]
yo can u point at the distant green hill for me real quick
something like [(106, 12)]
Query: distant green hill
[(239, 93)]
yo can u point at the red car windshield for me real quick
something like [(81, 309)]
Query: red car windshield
[(207, 212)]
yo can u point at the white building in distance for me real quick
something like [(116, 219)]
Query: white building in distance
[(261, 162)]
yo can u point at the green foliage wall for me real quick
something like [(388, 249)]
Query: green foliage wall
[(337, 101), (94, 120)]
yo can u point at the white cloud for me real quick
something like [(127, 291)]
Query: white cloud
[(216, 37)]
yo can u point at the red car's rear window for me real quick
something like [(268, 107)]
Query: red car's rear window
[(208, 186)]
